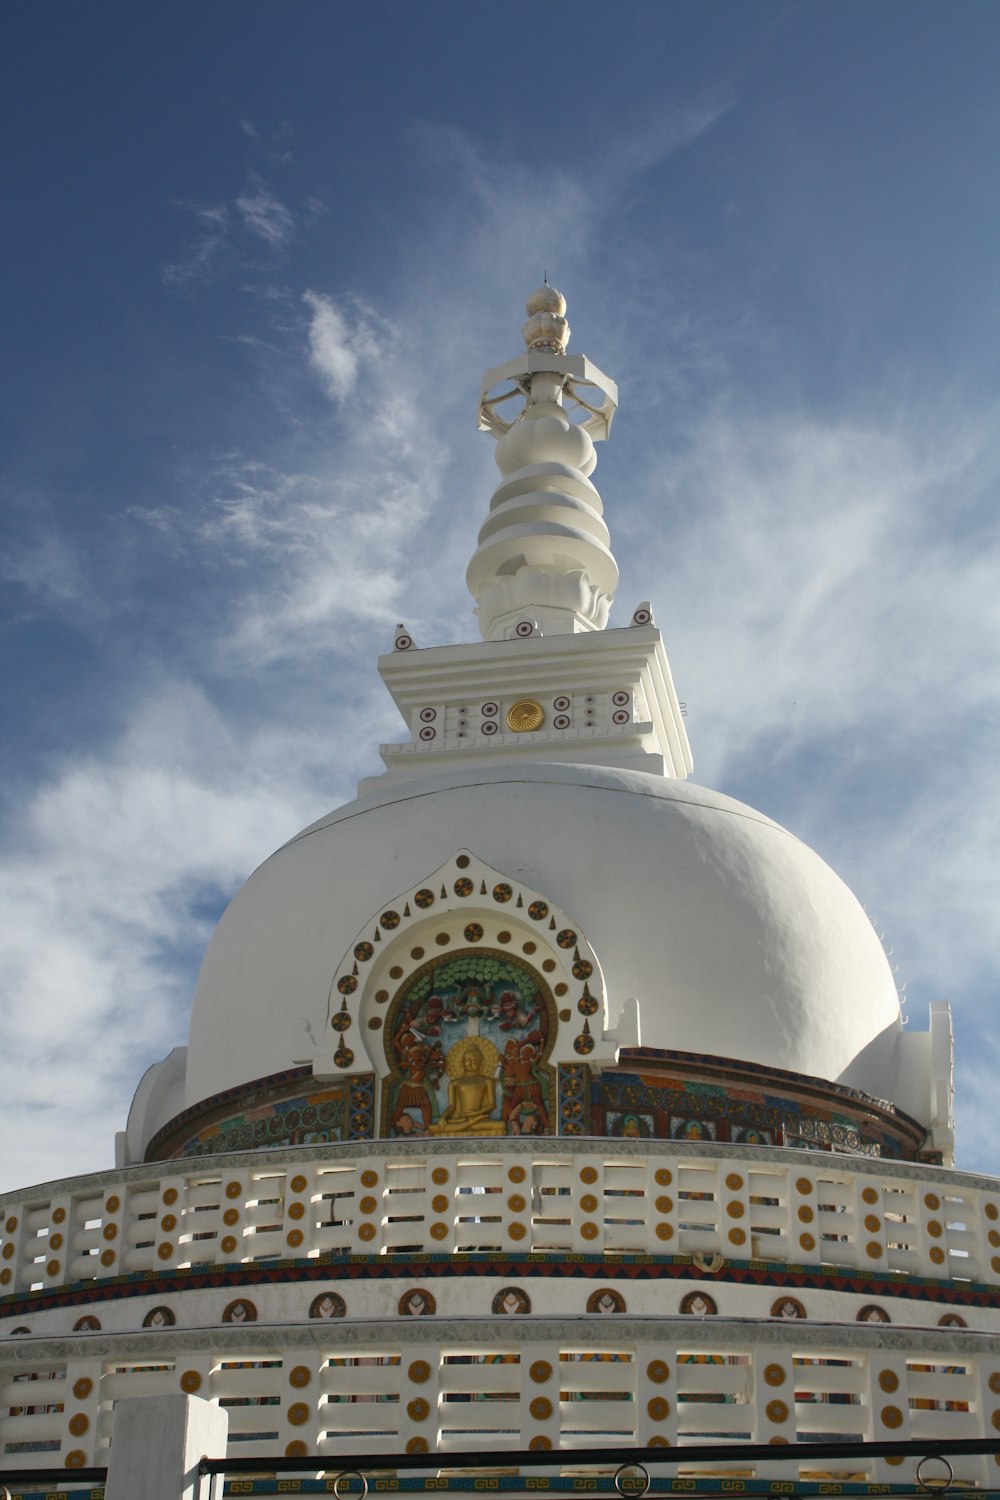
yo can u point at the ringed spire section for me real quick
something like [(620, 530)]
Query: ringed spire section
[(544, 550)]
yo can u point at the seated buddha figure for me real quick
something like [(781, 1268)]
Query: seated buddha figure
[(472, 1097)]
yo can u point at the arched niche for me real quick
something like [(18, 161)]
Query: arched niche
[(469, 960)]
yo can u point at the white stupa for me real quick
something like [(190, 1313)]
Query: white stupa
[(536, 1098)]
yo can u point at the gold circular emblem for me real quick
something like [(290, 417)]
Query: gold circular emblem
[(525, 716), (774, 1375), (419, 1371), (889, 1381), (540, 1371), (191, 1382), (777, 1411), (540, 1408), (83, 1387), (658, 1371)]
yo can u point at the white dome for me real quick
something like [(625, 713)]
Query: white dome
[(735, 938)]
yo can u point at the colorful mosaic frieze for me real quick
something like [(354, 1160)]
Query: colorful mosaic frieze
[(467, 1039), (666, 1102), (275, 1112)]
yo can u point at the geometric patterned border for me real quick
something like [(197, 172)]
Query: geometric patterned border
[(620, 1268), (532, 1483), (565, 1485)]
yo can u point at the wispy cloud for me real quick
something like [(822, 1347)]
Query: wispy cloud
[(200, 260), (113, 871), (265, 216), (335, 347)]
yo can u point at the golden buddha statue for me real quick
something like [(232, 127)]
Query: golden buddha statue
[(472, 1092)]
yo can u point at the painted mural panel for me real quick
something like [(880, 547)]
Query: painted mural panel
[(467, 1042)]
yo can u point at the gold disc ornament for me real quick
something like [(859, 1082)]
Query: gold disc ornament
[(525, 716)]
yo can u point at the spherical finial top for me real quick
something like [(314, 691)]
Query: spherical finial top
[(546, 299), (546, 327)]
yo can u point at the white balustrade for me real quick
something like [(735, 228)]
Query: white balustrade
[(552, 1196), (451, 1384)]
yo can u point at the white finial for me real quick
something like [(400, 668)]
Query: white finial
[(544, 549), (546, 327)]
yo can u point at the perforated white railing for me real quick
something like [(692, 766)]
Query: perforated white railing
[(550, 1196), (452, 1385)]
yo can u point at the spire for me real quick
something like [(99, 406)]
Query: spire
[(544, 551)]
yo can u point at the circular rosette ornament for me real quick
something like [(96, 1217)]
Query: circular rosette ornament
[(584, 1043), (341, 1019), (586, 1004)]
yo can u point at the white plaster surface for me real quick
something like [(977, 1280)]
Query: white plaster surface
[(157, 1444), (736, 939)]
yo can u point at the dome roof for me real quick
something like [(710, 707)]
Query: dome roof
[(733, 936)]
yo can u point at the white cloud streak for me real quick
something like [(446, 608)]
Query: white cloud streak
[(265, 216)]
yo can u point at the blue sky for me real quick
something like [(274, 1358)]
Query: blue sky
[(256, 258)]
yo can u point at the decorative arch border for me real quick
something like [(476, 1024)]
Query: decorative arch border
[(464, 901)]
